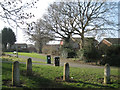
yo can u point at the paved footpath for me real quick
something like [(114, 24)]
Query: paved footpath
[(72, 64)]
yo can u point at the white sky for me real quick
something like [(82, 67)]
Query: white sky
[(42, 6)]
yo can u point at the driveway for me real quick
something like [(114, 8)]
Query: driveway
[(72, 64)]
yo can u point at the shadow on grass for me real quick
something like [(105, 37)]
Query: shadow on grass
[(37, 81), (87, 83), (41, 82), (6, 74)]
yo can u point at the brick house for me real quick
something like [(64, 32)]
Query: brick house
[(54, 48), (107, 42), (88, 41)]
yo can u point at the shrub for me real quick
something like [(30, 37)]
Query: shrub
[(71, 54), (113, 56), (67, 50), (89, 54), (80, 54)]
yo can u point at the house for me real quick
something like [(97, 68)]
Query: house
[(19, 45), (107, 42), (87, 41), (31, 48), (52, 47), (22, 47), (75, 46)]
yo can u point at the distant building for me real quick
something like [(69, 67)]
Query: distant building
[(31, 48), (22, 47), (53, 47), (88, 41), (107, 42), (19, 45)]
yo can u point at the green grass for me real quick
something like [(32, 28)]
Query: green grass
[(34, 55), (45, 77), (7, 58)]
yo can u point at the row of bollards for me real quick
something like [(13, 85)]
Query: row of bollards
[(106, 73), (66, 69), (16, 71)]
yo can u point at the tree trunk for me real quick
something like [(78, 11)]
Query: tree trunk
[(10, 47), (40, 49), (82, 41), (5, 47)]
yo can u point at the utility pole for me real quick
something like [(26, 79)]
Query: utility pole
[(16, 44)]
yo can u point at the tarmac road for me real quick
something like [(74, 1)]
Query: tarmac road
[(71, 64)]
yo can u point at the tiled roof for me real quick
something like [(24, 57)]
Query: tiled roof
[(107, 42), (113, 40)]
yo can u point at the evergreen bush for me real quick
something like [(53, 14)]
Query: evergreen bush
[(113, 55)]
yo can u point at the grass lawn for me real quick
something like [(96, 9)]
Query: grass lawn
[(50, 77), (7, 58), (34, 55)]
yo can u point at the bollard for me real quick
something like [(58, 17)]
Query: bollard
[(48, 59), (106, 74), (15, 74), (66, 72), (29, 66), (57, 61)]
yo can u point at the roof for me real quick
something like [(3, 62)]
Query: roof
[(85, 38), (113, 40), (57, 42), (110, 41), (107, 42), (77, 39), (20, 44)]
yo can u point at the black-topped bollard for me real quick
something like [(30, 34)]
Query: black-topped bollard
[(57, 61), (48, 59)]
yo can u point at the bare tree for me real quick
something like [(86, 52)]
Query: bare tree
[(14, 12), (79, 18), (58, 22), (39, 34)]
